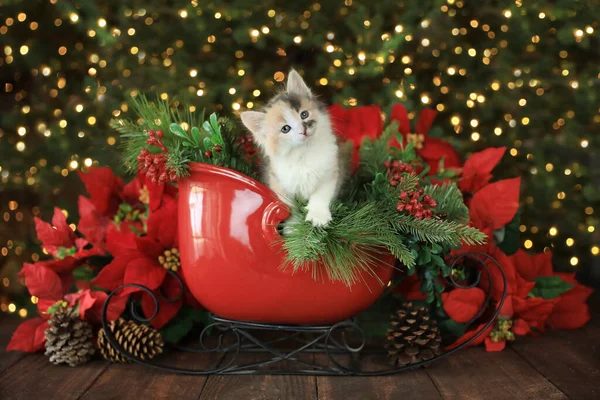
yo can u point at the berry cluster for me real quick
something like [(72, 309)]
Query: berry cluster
[(396, 169), (413, 202), (154, 166), (247, 143), (209, 154), (155, 138), (416, 206)]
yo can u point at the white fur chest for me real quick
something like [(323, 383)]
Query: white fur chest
[(302, 170)]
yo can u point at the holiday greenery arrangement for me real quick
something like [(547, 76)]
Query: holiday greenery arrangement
[(409, 195)]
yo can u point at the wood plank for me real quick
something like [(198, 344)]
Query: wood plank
[(251, 387), (8, 358), (34, 377), (129, 381), (568, 359), (414, 384), (476, 374)]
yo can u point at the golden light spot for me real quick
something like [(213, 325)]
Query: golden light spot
[(91, 120), (528, 244), (24, 50), (73, 164), (323, 81), (217, 15), (73, 17), (561, 195), (235, 106), (87, 162), (330, 48), (570, 242), (232, 90), (101, 22), (497, 131), (574, 261), (183, 13), (199, 92), (595, 250), (362, 56), (584, 143), (399, 28), (278, 76), (254, 33), (399, 93), (12, 308), (20, 146), (549, 167), (256, 93), (553, 231), (475, 136), (265, 30)]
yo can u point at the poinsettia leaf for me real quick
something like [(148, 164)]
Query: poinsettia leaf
[(549, 287), (183, 323), (42, 282), (511, 240), (451, 327), (462, 305), (496, 204), (29, 336), (84, 273)]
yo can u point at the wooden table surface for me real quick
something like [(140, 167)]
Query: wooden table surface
[(558, 365)]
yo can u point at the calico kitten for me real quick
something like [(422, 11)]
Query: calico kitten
[(294, 132)]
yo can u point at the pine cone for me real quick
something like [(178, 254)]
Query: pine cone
[(68, 339), (139, 340), (412, 336)]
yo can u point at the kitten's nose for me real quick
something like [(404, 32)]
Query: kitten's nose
[(304, 131)]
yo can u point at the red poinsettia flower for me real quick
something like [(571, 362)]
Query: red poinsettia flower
[(431, 150), (355, 124), (142, 261), (59, 240), (477, 171), (47, 286), (114, 205)]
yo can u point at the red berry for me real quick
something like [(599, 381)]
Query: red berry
[(208, 154), (419, 215), (217, 148), (408, 207), (403, 196), (433, 203), (159, 133), (400, 207)]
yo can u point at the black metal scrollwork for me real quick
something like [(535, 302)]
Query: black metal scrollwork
[(305, 349)]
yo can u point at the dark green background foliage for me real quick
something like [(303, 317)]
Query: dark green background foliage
[(513, 73)]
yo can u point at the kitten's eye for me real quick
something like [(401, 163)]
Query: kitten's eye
[(304, 114), (286, 129)]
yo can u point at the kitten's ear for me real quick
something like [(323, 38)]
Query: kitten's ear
[(296, 85), (253, 121)]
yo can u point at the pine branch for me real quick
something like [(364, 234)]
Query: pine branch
[(439, 231), (449, 201)]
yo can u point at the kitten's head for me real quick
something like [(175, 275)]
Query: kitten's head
[(290, 119)]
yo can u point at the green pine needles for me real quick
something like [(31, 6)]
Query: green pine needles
[(367, 223), (187, 137)]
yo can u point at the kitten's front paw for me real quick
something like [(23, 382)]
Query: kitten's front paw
[(318, 216)]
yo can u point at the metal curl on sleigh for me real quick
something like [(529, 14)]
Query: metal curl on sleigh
[(307, 341)]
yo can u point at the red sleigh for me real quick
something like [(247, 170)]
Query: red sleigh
[(233, 262)]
